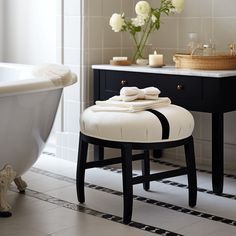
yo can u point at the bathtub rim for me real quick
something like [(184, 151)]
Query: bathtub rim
[(33, 84)]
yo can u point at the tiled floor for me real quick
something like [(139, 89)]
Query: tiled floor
[(50, 205)]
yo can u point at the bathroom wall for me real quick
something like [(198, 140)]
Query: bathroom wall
[(208, 18), (211, 19), (33, 34), (30, 30), (67, 126), (99, 44), (1, 30)]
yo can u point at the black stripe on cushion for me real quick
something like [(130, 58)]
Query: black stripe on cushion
[(164, 123)]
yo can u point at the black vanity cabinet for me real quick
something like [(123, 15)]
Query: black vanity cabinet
[(204, 91)]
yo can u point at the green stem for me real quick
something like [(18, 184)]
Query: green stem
[(146, 38), (141, 44), (137, 51)]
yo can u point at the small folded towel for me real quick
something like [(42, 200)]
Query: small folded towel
[(128, 94), (151, 91), (133, 98), (129, 91), (134, 106)]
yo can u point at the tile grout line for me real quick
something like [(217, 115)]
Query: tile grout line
[(89, 211)]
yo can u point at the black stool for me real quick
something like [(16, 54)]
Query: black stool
[(90, 123)]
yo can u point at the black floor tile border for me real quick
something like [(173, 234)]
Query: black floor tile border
[(164, 163), (49, 153), (177, 184), (89, 211), (142, 199), (199, 170)]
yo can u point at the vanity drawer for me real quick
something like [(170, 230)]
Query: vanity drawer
[(179, 88), (176, 87)]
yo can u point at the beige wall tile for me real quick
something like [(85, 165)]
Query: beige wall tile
[(224, 8), (95, 56), (85, 5), (127, 40), (199, 8), (224, 32), (197, 124), (230, 130), (111, 39), (186, 26), (95, 8), (127, 8), (127, 52), (229, 160), (166, 36), (153, 3), (109, 54), (111, 6), (205, 127), (207, 30), (86, 23), (95, 32)]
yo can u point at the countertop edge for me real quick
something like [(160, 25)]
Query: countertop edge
[(171, 70)]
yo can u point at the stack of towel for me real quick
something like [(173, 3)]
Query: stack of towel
[(133, 99)]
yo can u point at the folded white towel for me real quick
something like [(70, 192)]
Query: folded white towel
[(151, 97), (134, 106), (129, 91), (128, 94), (133, 98), (151, 91)]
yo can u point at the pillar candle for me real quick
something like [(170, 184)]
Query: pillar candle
[(155, 60)]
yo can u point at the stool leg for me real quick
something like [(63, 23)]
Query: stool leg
[(191, 172), (82, 156), (146, 169), (126, 153)]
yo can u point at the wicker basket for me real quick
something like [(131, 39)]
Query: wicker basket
[(216, 62)]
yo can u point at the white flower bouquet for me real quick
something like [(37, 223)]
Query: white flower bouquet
[(146, 22)]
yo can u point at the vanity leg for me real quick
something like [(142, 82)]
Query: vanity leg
[(98, 153), (217, 152), (157, 153)]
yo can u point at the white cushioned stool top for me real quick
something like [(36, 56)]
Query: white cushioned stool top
[(143, 126)]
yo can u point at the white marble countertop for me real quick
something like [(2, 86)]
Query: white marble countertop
[(171, 70)]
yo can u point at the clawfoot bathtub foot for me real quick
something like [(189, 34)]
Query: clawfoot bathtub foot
[(7, 175), (21, 184)]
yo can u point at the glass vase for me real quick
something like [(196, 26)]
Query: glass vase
[(140, 55)]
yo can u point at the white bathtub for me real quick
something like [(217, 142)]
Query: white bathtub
[(28, 106)]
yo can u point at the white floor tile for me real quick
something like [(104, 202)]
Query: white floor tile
[(34, 217)]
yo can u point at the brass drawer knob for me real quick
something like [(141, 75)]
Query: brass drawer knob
[(180, 87), (123, 82)]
